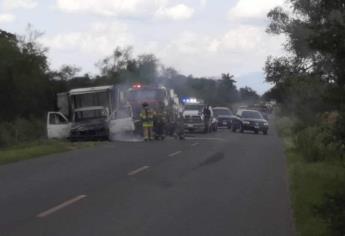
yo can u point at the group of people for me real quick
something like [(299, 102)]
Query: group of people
[(155, 124)]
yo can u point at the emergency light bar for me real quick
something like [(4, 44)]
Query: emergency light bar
[(190, 100), (137, 86)]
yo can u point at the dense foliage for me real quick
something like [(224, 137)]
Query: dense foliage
[(309, 83), (25, 88)]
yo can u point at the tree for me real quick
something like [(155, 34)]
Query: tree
[(67, 72), (122, 67), (147, 68), (118, 67), (24, 81), (227, 92), (249, 95), (315, 33)]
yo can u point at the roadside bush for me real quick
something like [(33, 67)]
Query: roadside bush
[(21, 130), (7, 134), (285, 126), (339, 128), (317, 143), (332, 210)]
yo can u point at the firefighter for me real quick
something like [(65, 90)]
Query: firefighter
[(160, 123), (180, 126), (207, 116), (146, 117)]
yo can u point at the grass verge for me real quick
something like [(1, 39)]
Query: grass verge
[(38, 149), (309, 181)]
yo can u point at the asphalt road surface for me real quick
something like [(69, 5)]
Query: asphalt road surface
[(217, 184)]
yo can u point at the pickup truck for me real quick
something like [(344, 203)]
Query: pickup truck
[(194, 120)]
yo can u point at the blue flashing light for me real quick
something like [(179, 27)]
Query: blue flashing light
[(190, 100)]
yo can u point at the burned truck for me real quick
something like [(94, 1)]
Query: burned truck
[(94, 113), (160, 99)]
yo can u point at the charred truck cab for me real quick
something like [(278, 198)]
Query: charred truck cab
[(159, 99), (90, 113), (90, 123)]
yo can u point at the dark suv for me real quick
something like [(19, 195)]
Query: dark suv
[(250, 120)]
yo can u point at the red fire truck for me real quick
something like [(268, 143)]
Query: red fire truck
[(159, 98)]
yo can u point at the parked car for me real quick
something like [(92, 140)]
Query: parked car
[(224, 116), (250, 120)]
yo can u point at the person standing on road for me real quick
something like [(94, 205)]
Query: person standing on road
[(146, 117), (179, 131), (160, 123), (207, 115)]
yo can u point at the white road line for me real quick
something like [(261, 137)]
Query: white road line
[(61, 206), (195, 144), (206, 139), (175, 153), (141, 169)]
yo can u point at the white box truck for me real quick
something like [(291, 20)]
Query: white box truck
[(90, 114)]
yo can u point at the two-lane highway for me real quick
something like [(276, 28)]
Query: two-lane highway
[(217, 184)]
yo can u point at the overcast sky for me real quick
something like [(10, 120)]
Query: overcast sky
[(198, 37)]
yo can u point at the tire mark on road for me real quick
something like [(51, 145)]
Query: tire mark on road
[(217, 157)]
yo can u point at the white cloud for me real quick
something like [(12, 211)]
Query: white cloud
[(253, 9), (112, 7), (244, 39), (6, 18), (240, 50), (203, 3), (14, 4), (188, 44), (100, 40), (178, 12)]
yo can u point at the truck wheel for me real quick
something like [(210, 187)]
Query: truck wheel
[(256, 131), (242, 129), (265, 132)]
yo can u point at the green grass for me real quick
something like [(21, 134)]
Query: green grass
[(308, 184), (309, 181), (38, 149)]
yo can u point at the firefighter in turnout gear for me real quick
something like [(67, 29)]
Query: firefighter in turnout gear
[(147, 117), (160, 123)]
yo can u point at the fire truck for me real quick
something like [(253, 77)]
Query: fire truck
[(159, 98)]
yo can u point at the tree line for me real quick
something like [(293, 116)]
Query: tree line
[(28, 86)]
